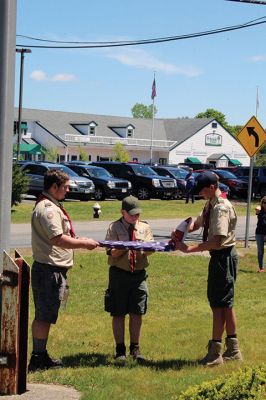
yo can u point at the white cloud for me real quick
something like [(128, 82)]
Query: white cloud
[(63, 78), (141, 59), (258, 58), (38, 75)]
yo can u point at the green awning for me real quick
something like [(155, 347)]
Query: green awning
[(233, 161), (31, 148), (194, 160)]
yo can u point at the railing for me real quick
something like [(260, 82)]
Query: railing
[(105, 140)]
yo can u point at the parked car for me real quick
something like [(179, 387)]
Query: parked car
[(178, 174), (79, 188), (222, 186), (105, 184), (146, 183), (238, 187), (258, 180)]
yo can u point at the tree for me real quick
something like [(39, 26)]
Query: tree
[(120, 154), (20, 184), (51, 154), (83, 155), (212, 113), (139, 110), (220, 117)]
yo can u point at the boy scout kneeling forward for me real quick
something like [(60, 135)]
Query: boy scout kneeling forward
[(218, 220), (127, 291)]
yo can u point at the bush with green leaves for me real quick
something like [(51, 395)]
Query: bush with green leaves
[(247, 384), (20, 184)]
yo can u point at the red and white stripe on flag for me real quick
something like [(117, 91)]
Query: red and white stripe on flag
[(153, 90)]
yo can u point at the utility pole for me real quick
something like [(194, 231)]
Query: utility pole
[(22, 56), (7, 79)]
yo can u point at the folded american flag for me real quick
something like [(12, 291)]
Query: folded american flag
[(135, 245)]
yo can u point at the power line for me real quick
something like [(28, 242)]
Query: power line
[(87, 45), (251, 1)]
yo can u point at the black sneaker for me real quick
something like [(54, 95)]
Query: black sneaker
[(42, 361)]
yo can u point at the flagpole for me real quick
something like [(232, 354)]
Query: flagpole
[(153, 95)]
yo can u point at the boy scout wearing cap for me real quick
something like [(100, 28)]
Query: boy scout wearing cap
[(218, 220), (127, 291), (53, 239)]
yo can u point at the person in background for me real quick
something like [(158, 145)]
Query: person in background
[(190, 183), (260, 232), (218, 220), (53, 241), (127, 291)]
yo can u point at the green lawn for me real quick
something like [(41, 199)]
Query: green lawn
[(152, 209), (175, 330)]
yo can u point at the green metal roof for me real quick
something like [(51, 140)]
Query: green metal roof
[(193, 160), (30, 148), (234, 162)]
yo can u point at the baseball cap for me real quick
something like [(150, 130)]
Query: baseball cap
[(205, 179), (131, 205)]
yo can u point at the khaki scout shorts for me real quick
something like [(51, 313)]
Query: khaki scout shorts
[(127, 292), (48, 286), (221, 278)]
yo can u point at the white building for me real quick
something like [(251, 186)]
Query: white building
[(172, 141)]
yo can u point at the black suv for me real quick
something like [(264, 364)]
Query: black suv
[(258, 181), (79, 188), (105, 184), (176, 173), (146, 183)]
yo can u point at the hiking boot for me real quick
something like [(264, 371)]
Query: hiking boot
[(42, 361), (136, 354), (213, 357), (232, 352)]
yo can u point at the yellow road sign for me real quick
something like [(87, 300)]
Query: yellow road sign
[(252, 137)]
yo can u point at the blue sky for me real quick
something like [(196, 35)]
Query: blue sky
[(219, 71)]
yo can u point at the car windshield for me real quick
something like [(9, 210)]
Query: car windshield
[(98, 173), (143, 170), (178, 173), (225, 174), (66, 170)]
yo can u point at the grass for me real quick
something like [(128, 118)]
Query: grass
[(152, 209), (175, 330)]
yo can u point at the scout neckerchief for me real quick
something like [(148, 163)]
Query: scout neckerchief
[(43, 197), (206, 216), (132, 253)]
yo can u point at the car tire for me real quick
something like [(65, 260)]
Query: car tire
[(99, 194), (143, 193)]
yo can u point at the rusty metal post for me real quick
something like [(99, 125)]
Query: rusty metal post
[(14, 325)]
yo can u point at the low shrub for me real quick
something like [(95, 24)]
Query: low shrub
[(247, 384)]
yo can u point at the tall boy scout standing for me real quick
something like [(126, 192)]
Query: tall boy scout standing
[(127, 291), (218, 220)]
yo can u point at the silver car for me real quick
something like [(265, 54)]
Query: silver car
[(80, 188)]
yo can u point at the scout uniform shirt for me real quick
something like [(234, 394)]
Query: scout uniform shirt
[(118, 230), (48, 221), (222, 220)]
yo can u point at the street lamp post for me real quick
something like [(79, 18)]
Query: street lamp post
[(22, 52)]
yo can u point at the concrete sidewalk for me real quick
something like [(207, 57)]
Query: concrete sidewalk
[(46, 392)]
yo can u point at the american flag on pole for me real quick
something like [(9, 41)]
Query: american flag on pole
[(153, 89)]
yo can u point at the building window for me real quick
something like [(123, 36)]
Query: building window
[(163, 161), (214, 125), (130, 132), (74, 158), (92, 130)]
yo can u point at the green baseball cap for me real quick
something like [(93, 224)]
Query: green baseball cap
[(131, 205)]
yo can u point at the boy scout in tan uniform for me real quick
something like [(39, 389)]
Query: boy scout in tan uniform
[(218, 220), (127, 291), (53, 241)]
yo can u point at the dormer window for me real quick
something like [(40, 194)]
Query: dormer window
[(130, 131), (91, 129)]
